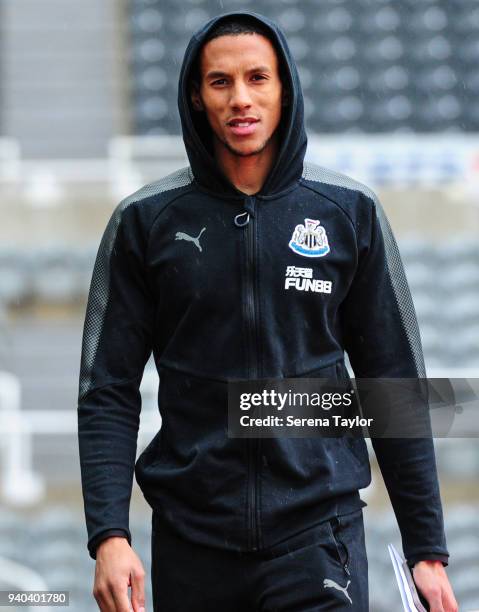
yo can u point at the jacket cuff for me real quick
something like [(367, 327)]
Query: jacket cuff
[(428, 557), (93, 544)]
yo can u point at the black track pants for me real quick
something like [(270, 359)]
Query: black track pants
[(322, 568)]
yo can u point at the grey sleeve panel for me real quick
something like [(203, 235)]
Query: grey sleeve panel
[(118, 338), (401, 289), (381, 336), (397, 276), (99, 287)]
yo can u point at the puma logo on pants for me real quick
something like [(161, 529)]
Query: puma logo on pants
[(327, 582)]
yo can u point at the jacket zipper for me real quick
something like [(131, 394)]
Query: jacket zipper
[(336, 526), (244, 220)]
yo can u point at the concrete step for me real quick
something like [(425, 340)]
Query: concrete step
[(81, 66), (26, 13), (61, 71), (96, 101)]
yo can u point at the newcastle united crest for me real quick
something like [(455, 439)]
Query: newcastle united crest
[(310, 239)]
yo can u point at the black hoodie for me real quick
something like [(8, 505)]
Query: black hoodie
[(195, 270)]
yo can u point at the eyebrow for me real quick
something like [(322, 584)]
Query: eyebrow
[(214, 74)]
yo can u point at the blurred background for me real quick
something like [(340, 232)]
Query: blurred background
[(88, 114)]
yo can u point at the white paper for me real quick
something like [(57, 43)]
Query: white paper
[(407, 588)]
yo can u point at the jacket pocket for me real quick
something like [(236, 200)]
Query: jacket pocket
[(336, 528), (327, 371)]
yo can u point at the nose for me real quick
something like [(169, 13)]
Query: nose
[(240, 97)]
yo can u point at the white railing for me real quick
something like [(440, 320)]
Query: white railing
[(401, 160), (19, 577), (420, 160), (19, 484), (9, 159)]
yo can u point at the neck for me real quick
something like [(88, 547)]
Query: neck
[(247, 173)]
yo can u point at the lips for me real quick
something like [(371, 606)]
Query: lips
[(242, 121), (243, 126)]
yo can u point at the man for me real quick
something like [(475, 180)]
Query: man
[(193, 268)]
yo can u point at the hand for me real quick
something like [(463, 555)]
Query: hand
[(117, 568), (432, 582)]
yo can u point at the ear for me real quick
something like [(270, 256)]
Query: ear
[(196, 98)]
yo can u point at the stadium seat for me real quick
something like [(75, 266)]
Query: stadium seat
[(433, 41)]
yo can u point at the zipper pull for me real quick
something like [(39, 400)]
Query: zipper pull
[(249, 202), (243, 222)]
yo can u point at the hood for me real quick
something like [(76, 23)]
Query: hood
[(288, 165)]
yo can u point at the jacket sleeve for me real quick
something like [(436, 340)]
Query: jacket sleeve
[(116, 344), (381, 337)]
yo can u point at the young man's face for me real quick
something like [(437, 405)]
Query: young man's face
[(240, 80)]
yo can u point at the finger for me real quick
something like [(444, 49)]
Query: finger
[(104, 600), (119, 592), (431, 593), (137, 578), (448, 600), (434, 600)]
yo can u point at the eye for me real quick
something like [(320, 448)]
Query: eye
[(259, 75), (215, 82)]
